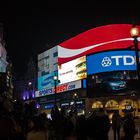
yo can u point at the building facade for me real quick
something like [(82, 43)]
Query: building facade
[(24, 89), (96, 69), (6, 84)]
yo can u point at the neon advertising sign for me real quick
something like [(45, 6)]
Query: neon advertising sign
[(99, 39)]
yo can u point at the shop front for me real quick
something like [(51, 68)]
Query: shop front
[(123, 104)]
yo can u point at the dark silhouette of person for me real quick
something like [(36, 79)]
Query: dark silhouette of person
[(81, 128), (129, 127), (90, 125), (116, 125), (102, 125)]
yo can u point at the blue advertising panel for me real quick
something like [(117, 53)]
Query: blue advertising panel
[(46, 81), (111, 61)]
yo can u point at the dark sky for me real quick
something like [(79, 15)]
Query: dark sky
[(32, 28)]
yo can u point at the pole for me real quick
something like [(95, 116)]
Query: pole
[(137, 59), (54, 93)]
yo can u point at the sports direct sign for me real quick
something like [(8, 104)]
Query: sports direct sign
[(103, 38), (60, 88)]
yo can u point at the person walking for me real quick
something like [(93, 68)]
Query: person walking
[(129, 127), (116, 125)]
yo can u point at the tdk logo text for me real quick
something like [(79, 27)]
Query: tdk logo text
[(126, 60), (111, 61)]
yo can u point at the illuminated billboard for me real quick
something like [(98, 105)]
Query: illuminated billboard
[(111, 61), (122, 82), (72, 70), (60, 88), (112, 73), (99, 39), (47, 64), (46, 81)]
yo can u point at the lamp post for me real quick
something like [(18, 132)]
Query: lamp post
[(55, 79), (75, 98), (134, 33), (29, 90)]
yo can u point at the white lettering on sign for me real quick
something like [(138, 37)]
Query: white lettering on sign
[(127, 60)]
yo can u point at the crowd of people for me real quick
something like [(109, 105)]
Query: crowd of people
[(20, 121)]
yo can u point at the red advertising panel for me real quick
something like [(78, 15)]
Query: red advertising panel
[(108, 37)]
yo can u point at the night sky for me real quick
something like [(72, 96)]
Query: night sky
[(30, 29)]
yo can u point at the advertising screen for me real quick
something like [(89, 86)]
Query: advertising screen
[(46, 81), (112, 73), (111, 61), (112, 83), (72, 71), (47, 64), (47, 61), (99, 39), (59, 88)]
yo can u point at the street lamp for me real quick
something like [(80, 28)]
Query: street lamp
[(134, 33), (29, 96), (29, 83), (55, 80), (75, 97)]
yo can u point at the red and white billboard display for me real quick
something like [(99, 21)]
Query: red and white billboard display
[(72, 70), (108, 37)]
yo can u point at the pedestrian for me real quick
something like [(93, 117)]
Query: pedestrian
[(81, 128), (90, 126), (116, 125), (129, 127), (102, 125)]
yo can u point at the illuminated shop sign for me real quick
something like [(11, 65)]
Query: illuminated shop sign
[(59, 89), (111, 61), (72, 71), (49, 106), (99, 39)]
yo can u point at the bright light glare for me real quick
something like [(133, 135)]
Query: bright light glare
[(55, 78), (29, 83), (134, 32)]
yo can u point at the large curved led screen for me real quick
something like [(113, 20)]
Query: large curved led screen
[(112, 83), (112, 73), (111, 61), (99, 39)]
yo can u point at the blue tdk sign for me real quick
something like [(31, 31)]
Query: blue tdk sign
[(111, 61)]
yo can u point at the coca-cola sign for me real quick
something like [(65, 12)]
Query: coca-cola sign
[(103, 38)]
